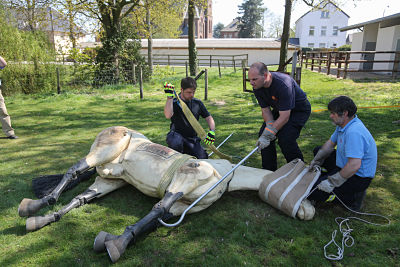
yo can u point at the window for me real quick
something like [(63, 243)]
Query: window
[(335, 30), (323, 31), (311, 31), (334, 45), (324, 14), (322, 45), (310, 45)]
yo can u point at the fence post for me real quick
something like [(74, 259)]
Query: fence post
[(244, 79), (395, 64), (186, 65), (219, 69), (205, 84), (312, 61), (58, 81), (133, 73), (234, 65), (328, 63), (141, 82), (320, 62), (339, 64), (294, 64), (346, 63)]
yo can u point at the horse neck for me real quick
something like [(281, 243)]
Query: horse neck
[(247, 178)]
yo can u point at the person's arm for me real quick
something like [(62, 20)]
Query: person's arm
[(168, 108), (267, 114), (3, 63), (282, 119), (211, 123), (351, 167)]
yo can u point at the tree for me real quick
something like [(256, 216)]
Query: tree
[(217, 30), (192, 4), (275, 26), (316, 4), (250, 20)]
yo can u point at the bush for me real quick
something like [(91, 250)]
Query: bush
[(345, 48)]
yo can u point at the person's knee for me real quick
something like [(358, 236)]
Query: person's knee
[(175, 141)]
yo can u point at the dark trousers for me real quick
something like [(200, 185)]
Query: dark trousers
[(348, 191), (286, 138), (186, 145)]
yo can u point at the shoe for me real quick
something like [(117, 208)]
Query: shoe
[(358, 201), (12, 137)]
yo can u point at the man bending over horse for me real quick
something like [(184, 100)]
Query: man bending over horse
[(182, 137)]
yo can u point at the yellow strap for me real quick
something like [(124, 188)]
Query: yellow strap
[(199, 129), (169, 174)]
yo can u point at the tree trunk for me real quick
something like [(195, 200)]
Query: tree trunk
[(191, 39), (285, 35), (149, 42)]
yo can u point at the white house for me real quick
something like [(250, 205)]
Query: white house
[(381, 34), (319, 28), (264, 50)]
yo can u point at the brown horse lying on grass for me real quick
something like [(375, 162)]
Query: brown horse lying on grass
[(123, 156)]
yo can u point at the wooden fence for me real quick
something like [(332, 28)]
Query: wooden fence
[(203, 60), (340, 60)]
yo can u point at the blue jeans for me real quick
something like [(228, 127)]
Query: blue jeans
[(186, 145)]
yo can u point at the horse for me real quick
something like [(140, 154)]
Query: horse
[(124, 156)]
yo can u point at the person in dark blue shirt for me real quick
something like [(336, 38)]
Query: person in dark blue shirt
[(182, 137), (285, 109)]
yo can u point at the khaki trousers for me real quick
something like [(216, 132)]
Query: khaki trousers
[(5, 118)]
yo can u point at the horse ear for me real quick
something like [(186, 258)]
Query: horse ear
[(45, 184)]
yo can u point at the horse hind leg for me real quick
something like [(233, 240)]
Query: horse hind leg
[(117, 244), (98, 189), (28, 206), (107, 146)]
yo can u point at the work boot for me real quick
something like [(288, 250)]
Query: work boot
[(358, 200)]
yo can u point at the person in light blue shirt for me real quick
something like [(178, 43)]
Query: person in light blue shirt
[(352, 166)]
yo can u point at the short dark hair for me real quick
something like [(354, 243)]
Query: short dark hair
[(341, 104), (261, 67), (188, 82)]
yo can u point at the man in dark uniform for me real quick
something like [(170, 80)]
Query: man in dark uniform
[(290, 111), (182, 137)]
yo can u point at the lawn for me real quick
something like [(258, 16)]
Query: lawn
[(239, 229)]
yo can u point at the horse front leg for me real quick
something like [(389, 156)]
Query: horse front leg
[(28, 206), (116, 245)]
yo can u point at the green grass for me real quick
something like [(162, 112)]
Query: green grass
[(239, 229)]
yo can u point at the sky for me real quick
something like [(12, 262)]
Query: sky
[(224, 11)]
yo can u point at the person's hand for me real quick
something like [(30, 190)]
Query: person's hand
[(334, 180), (319, 158), (169, 89), (210, 138), (268, 135)]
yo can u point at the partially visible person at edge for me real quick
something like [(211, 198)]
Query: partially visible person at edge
[(4, 117), (352, 166), (285, 109), (182, 137)]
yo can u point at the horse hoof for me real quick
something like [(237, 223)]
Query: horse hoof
[(36, 223), (98, 245), (113, 252), (25, 207), (306, 210)]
